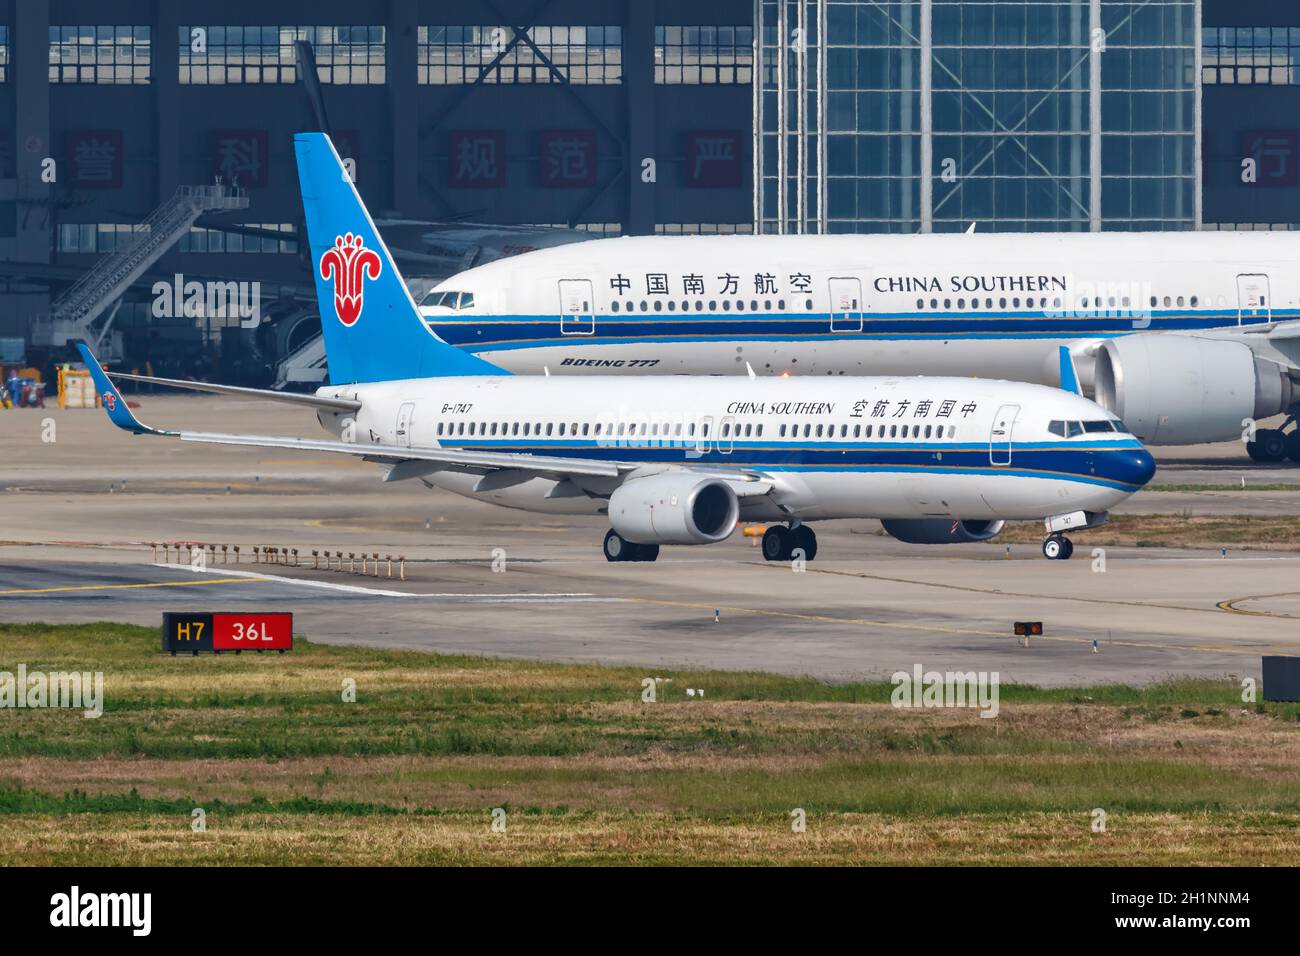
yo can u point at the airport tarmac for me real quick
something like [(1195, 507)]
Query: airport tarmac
[(77, 515)]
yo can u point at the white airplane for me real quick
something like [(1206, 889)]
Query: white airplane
[(676, 460), (1188, 337)]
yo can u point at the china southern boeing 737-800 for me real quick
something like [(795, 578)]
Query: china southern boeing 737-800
[(1188, 337), (677, 460)]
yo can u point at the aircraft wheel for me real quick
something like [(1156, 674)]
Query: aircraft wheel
[(1270, 445), (618, 548), (806, 539), (646, 552), (776, 543), (1293, 445), (1057, 548)]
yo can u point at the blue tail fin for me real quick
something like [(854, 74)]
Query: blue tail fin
[(373, 330)]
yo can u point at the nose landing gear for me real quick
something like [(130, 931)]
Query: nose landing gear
[(1058, 547)]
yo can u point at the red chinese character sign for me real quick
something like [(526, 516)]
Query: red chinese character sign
[(713, 159), (241, 157), (476, 159), (567, 158), (1274, 152), (94, 158)]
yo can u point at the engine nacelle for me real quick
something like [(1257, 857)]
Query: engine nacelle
[(674, 508), (941, 530), (1181, 390)]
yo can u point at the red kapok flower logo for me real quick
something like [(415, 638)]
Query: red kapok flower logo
[(348, 264)]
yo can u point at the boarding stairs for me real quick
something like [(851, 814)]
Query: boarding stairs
[(73, 314)]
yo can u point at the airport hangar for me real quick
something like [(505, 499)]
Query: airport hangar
[(455, 117)]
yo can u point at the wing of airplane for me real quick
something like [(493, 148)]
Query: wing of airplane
[(407, 461), (288, 398)]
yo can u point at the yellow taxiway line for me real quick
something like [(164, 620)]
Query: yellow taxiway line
[(116, 587)]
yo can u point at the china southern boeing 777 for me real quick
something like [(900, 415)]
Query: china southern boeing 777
[(1188, 337), (676, 460)]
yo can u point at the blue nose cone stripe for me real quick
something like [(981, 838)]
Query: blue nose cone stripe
[(1130, 466)]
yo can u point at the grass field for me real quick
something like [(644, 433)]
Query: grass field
[(1238, 532), (287, 772)]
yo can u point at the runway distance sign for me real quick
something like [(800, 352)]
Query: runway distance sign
[(227, 631)]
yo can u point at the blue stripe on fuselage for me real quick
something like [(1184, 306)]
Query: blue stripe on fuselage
[(1124, 464), (497, 333)]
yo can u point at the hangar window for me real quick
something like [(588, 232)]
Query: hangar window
[(1250, 55), (110, 55), (456, 55), (217, 55), (250, 240), (704, 55)]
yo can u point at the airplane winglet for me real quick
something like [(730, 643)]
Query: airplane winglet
[(118, 412), (1069, 374)]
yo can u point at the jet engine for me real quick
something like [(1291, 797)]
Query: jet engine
[(941, 530), (1182, 390), (674, 508)]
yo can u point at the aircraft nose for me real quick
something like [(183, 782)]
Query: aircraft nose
[(1133, 466)]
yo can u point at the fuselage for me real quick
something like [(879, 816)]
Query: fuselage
[(837, 447), (983, 305)]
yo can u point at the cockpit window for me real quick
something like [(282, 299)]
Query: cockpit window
[(449, 300), (1120, 426), (1074, 429)]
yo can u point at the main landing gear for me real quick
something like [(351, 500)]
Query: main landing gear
[(1274, 444), (618, 548), (1058, 547), (780, 543)]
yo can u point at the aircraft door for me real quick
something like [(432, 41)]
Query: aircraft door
[(405, 415), (1253, 305), (577, 307), (846, 305), (704, 437), (726, 435), (1000, 435)]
